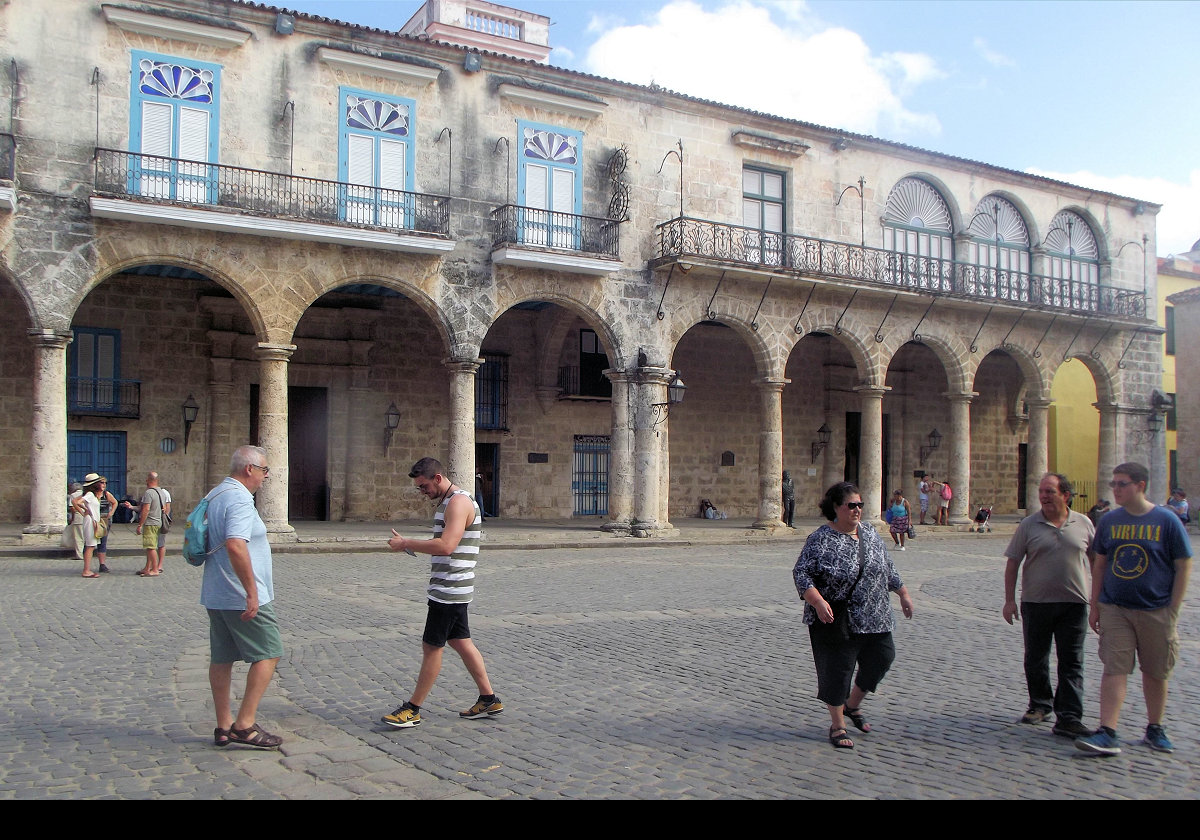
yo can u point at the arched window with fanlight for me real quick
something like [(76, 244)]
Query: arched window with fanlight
[(998, 249), (917, 227), (1072, 263)]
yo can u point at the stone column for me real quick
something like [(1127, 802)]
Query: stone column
[(960, 455), (870, 452), (770, 453), (460, 459), (1111, 448), (651, 451), (272, 498), (1037, 451), (48, 454), (220, 421), (620, 456), (832, 460)]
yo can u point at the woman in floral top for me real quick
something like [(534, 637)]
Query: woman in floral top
[(848, 561)]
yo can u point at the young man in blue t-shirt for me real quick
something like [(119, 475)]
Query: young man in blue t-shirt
[(1139, 577)]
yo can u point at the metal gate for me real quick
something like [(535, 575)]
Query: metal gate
[(589, 475)]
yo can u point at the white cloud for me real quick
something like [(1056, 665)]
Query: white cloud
[(991, 56), (1178, 223), (736, 54), (561, 56)]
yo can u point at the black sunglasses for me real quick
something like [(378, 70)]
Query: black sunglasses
[(856, 505)]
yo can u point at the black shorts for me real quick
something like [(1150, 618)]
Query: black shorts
[(445, 622)]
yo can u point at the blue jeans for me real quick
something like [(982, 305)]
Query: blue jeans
[(1066, 625)]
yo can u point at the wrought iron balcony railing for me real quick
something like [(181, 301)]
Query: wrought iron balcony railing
[(104, 397), (685, 237), (574, 382), (8, 157), (175, 181), (516, 225)]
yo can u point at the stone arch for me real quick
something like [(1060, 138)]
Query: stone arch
[(416, 295), (548, 352), (1037, 375), (765, 363), (22, 292), (116, 254), (824, 320), (1107, 390)]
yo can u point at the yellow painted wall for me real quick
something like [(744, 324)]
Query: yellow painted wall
[(1074, 423)]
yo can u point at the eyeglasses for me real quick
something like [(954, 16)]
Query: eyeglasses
[(265, 470), (1115, 484), (856, 505)]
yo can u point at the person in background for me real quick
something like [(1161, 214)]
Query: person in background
[(1179, 503), (901, 518)]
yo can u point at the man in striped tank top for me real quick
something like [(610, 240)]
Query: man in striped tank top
[(457, 527)]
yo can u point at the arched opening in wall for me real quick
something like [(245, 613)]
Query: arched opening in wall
[(367, 398), (543, 414), (821, 418), (142, 351), (1074, 432), (16, 403), (916, 421), (715, 430), (999, 436)]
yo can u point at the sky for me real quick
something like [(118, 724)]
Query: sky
[(1100, 94)]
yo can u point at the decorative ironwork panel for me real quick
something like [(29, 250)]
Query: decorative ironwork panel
[(104, 397), (516, 225), (275, 194), (684, 238)]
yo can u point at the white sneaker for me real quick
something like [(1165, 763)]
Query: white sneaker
[(901, 548)]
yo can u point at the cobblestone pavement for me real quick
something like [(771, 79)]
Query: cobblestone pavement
[(627, 670)]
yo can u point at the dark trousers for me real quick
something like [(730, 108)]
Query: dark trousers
[(1066, 625), (835, 659), (789, 511)]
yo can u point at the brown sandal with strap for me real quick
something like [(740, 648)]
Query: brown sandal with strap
[(220, 737), (255, 737)]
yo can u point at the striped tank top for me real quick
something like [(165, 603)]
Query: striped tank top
[(453, 578)]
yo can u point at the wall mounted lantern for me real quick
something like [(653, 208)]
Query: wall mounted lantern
[(823, 438), (935, 441), (191, 410), (674, 396), (391, 420)]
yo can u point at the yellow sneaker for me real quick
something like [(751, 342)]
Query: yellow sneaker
[(403, 718), (483, 708)]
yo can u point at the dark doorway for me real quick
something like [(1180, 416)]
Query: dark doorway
[(853, 443), (1022, 473), (308, 450), (308, 445), (487, 485)]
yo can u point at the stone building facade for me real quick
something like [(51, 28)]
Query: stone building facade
[(297, 225)]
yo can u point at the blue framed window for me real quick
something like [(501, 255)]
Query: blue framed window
[(173, 120), (589, 475), (375, 157), (94, 371), (100, 452), (549, 187)]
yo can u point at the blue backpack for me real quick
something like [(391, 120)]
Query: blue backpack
[(195, 538)]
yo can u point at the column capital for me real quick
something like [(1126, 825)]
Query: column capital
[(617, 375), (50, 338), (1040, 403), (1118, 408), (871, 390), (963, 397), (267, 352), (462, 365), (766, 383), (652, 375)]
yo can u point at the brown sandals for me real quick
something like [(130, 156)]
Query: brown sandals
[(255, 737)]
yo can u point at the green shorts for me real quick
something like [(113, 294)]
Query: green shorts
[(149, 537), (230, 639)]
